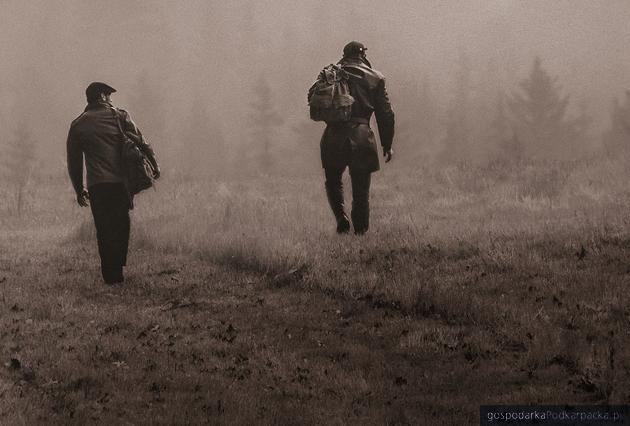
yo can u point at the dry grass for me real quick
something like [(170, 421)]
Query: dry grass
[(473, 286)]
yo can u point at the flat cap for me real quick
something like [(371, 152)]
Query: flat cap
[(97, 87), (354, 48)]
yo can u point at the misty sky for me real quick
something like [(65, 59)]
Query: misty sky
[(51, 49)]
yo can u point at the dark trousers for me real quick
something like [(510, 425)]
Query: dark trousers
[(110, 207), (360, 199)]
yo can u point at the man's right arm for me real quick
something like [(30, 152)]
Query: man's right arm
[(384, 116)]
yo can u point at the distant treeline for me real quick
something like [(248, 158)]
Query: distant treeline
[(219, 88)]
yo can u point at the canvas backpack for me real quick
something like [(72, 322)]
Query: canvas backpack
[(329, 97)]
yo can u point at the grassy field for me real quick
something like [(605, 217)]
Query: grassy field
[(242, 306)]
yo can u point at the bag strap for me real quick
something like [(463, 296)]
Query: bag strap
[(123, 136)]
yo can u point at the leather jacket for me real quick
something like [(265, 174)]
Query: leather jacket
[(367, 86), (95, 135)]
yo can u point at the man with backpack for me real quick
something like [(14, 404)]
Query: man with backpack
[(99, 134), (344, 96)]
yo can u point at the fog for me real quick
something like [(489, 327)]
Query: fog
[(191, 73)]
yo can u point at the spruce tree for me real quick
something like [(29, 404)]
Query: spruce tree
[(457, 140), (203, 142), (265, 120), (146, 106), (417, 122), (617, 138), (538, 114), (505, 145)]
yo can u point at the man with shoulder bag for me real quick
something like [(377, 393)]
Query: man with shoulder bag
[(119, 163)]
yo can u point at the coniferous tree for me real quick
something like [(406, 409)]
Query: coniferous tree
[(203, 142), (306, 135), (307, 132), (146, 108), (539, 116), (503, 140), (428, 113), (457, 139), (265, 120), (580, 127), (417, 123), (407, 109), (617, 137)]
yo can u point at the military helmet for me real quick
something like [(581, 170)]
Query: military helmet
[(96, 88), (354, 48)]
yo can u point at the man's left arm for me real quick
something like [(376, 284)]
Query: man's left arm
[(133, 131), (384, 119)]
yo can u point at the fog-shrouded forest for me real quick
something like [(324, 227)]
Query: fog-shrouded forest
[(495, 269), (219, 87)]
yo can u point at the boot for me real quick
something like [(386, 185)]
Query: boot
[(334, 191), (113, 274), (360, 202)]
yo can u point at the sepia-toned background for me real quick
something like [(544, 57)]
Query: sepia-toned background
[(495, 270), (192, 73)]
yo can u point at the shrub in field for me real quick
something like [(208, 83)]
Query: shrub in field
[(541, 182)]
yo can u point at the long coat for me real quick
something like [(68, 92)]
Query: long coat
[(353, 144)]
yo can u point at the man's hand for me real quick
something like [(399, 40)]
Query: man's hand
[(388, 155), (83, 198)]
